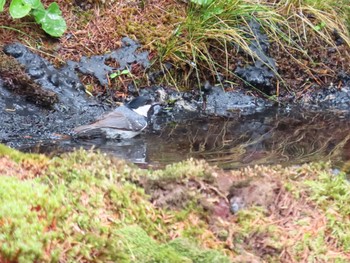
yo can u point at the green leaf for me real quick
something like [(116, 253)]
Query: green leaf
[(125, 72), (19, 8), (119, 73), (113, 75), (51, 20), (34, 3), (2, 3), (320, 26)]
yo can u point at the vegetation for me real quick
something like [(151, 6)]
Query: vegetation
[(50, 19), (85, 206), (206, 40), (213, 34)]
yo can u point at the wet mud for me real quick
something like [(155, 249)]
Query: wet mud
[(59, 103), (228, 128)]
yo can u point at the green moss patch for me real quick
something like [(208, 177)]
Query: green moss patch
[(84, 207), (90, 207)]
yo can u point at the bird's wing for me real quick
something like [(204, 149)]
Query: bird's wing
[(115, 120)]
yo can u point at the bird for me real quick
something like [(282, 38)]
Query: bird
[(124, 122)]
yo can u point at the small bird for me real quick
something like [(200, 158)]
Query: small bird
[(124, 122)]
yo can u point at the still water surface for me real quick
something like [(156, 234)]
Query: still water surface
[(272, 137)]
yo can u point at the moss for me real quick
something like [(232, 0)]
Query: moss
[(27, 214), (18, 156), (332, 194), (89, 207), (142, 248), (80, 207), (184, 170), (190, 250)]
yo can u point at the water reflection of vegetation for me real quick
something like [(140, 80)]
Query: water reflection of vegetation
[(262, 140)]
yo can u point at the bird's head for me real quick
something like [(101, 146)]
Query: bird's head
[(141, 105)]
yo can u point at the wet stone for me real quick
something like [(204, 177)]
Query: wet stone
[(125, 56), (50, 78), (24, 116), (332, 98), (262, 70), (230, 104), (257, 75)]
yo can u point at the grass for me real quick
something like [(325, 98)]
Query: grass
[(207, 42), (324, 17), (211, 39), (220, 25)]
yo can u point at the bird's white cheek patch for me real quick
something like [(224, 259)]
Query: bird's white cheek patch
[(143, 110)]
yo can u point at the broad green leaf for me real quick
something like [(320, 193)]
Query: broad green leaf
[(39, 14), (2, 3), (19, 8), (51, 20), (114, 75), (34, 3)]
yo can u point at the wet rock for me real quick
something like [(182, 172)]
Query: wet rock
[(124, 57), (94, 66), (230, 104), (15, 78), (180, 106), (44, 109), (344, 78), (153, 76), (257, 75), (262, 71), (67, 86), (65, 81), (260, 44), (338, 38), (332, 98)]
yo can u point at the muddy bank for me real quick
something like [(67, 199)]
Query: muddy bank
[(56, 100), (45, 118)]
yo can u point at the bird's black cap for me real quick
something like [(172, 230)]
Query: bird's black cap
[(139, 102)]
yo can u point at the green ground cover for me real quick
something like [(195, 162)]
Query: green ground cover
[(88, 207)]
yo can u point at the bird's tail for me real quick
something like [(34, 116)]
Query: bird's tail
[(83, 128), (88, 132)]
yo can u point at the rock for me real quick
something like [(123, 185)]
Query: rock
[(229, 104), (260, 73)]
